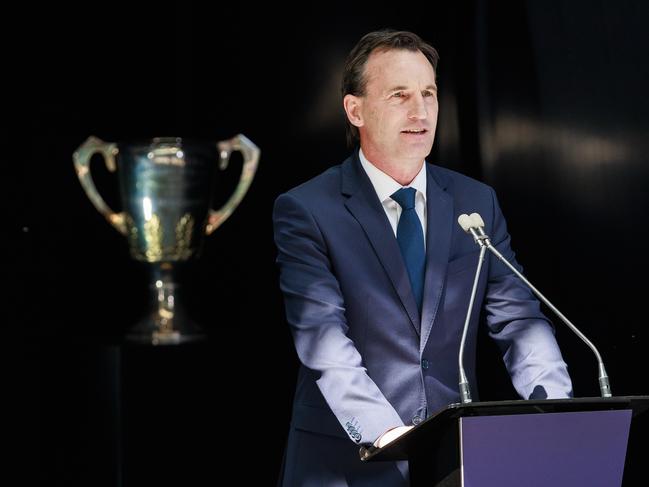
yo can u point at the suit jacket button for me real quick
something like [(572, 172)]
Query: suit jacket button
[(424, 364), (416, 420)]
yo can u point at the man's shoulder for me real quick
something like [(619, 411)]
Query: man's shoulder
[(326, 184), (457, 181)]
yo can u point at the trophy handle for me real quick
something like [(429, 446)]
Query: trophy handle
[(81, 157), (250, 154)]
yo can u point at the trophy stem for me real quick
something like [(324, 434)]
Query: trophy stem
[(166, 322)]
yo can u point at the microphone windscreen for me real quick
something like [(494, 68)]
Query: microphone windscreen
[(477, 220), (465, 222)]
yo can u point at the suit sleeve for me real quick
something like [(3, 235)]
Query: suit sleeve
[(523, 334), (315, 311)]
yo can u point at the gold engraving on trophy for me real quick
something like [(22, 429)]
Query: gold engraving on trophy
[(184, 230), (132, 235), (153, 238)]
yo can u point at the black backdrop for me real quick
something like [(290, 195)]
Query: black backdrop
[(546, 101)]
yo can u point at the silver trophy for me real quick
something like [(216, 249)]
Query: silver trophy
[(166, 193)]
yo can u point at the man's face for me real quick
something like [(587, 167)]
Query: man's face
[(397, 116)]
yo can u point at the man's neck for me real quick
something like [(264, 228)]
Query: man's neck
[(403, 171)]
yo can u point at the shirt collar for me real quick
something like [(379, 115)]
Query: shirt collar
[(385, 186)]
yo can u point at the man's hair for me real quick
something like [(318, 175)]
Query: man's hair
[(354, 81)]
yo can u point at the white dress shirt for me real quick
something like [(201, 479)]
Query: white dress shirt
[(385, 186)]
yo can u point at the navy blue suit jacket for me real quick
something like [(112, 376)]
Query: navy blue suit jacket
[(369, 360)]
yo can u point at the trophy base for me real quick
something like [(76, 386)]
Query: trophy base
[(152, 331), (166, 322)]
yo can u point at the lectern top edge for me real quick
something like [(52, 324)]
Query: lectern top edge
[(399, 448)]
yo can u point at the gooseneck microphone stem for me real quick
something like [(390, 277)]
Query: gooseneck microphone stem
[(604, 385), (465, 391)]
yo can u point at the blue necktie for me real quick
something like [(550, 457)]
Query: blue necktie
[(410, 237)]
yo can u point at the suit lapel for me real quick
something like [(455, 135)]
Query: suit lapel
[(364, 204), (438, 242)]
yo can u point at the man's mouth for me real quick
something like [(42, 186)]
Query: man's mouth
[(414, 131)]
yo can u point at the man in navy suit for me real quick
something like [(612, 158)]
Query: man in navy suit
[(377, 278)]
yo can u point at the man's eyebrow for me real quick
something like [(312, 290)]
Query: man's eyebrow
[(401, 87)]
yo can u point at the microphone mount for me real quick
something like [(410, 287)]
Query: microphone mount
[(474, 225)]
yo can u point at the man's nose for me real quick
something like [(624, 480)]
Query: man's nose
[(417, 110)]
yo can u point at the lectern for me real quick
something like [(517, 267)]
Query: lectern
[(557, 443)]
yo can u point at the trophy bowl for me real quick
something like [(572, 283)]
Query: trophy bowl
[(166, 193)]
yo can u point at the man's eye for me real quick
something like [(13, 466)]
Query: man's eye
[(398, 94), (429, 93)]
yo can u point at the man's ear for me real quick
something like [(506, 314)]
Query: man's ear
[(353, 108)]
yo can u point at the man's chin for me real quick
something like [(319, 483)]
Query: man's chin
[(417, 150)]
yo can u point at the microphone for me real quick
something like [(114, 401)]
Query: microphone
[(468, 225), (476, 228)]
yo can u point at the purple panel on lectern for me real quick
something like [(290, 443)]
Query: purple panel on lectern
[(555, 449)]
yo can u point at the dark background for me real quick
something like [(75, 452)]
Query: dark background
[(545, 101)]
